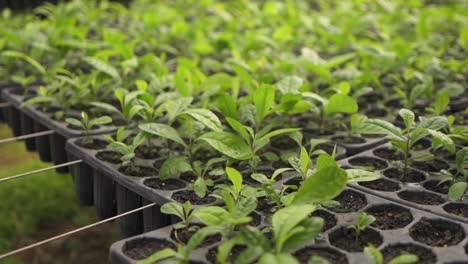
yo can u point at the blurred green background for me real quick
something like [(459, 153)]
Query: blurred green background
[(44, 205)]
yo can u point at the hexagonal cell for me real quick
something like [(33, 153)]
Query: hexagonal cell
[(411, 175), (346, 239), (141, 248), (421, 197), (147, 152), (425, 255), (332, 255), (437, 232), (109, 156), (388, 153), (183, 235), (384, 185), (169, 184), (329, 218), (375, 164), (435, 165), (235, 252), (350, 201), (189, 195), (390, 216), (433, 185), (458, 209)]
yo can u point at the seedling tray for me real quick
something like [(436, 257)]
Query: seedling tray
[(400, 233), (30, 119), (420, 191)]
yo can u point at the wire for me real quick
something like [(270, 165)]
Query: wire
[(38, 134), (73, 232), (40, 170)]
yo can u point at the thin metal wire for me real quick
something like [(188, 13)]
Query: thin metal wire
[(37, 134), (73, 232), (6, 104), (40, 170)]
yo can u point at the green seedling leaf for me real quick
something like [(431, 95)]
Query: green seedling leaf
[(441, 102), (443, 139), (290, 84), (434, 123), (377, 126), (462, 159), (263, 99), (408, 117), (19, 55), (341, 103), (307, 230), (74, 122), (200, 188), (373, 254), (405, 259), (158, 256), (228, 106), (172, 167), (162, 130), (457, 190), (324, 185), (357, 175), (206, 117), (173, 208), (102, 66), (317, 260), (103, 120), (235, 177), (281, 258), (228, 144), (212, 215)]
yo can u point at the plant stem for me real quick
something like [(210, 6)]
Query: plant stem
[(405, 168)]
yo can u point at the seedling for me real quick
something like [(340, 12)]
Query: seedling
[(129, 107), (88, 124), (459, 180), (184, 212), (126, 150), (364, 220), (374, 255), (405, 139)]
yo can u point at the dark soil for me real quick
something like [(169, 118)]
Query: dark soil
[(389, 216), (435, 165), (183, 236), (433, 185), (265, 207), (158, 163), (411, 175), (283, 143), (348, 140), (333, 256), (376, 113), (350, 201), (421, 197), (91, 143), (394, 103), (168, 185), (109, 156), (459, 209), (142, 248), (147, 152), (422, 144), (329, 219), (188, 176), (425, 255), (381, 185), (345, 238), (437, 232), (138, 171), (388, 154), (376, 164), (189, 195), (236, 250)]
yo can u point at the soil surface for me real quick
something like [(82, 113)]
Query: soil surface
[(350, 201), (183, 236), (109, 156), (430, 166), (348, 140), (283, 143), (381, 185), (142, 248), (421, 197), (92, 143), (138, 171), (411, 175), (188, 176), (376, 164), (147, 152), (425, 255), (390, 216), (458, 209), (329, 219), (437, 233), (236, 250), (346, 238), (333, 256), (434, 186), (168, 185), (189, 195), (388, 154)]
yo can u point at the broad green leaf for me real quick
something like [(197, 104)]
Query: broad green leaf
[(235, 177), (325, 160), (305, 162), (373, 254), (103, 120), (26, 58), (308, 228), (281, 258), (357, 175), (74, 122), (108, 107), (239, 128), (443, 139), (278, 132), (441, 102), (102, 66), (228, 106), (457, 190), (173, 166), (286, 219), (228, 144), (408, 117), (245, 206), (290, 84), (38, 100), (173, 208), (206, 117), (341, 103), (377, 126), (462, 159), (199, 237), (405, 259), (199, 186), (162, 130), (322, 186), (263, 99), (158, 256), (212, 215), (434, 123)]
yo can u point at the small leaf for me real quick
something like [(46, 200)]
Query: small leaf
[(228, 144), (341, 103), (200, 188), (158, 256), (212, 215), (103, 120), (408, 117), (206, 117), (173, 166), (357, 175), (405, 259), (74, 122), (443, 139), (457, 190), (228, 106), (434, 123), (102, 66), (290, 84), (235, 177), (263, 99), (173, 208), (373, 254), (441, 102), (162, 130)]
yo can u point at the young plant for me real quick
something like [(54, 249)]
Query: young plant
[(127, 151), (87, 124), (374, 255), (405, 139), (364, 220), (278, 197), (459, 180), (129, 107)]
